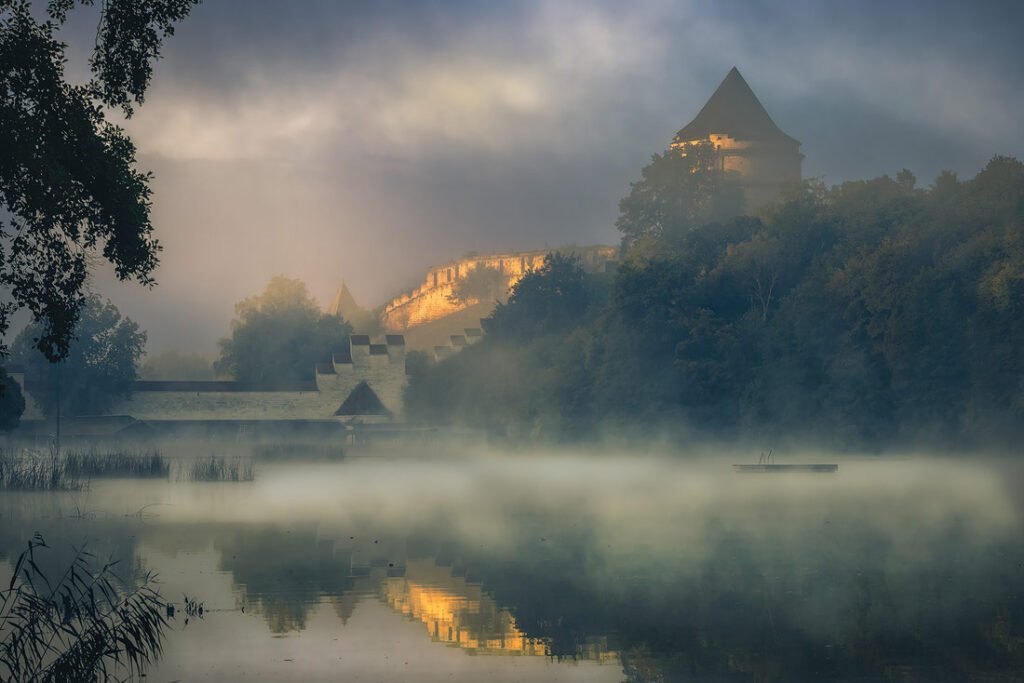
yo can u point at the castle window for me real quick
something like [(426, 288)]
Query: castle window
[(435, 278), (449, 275)]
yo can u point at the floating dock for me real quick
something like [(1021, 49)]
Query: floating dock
[(762, 468)]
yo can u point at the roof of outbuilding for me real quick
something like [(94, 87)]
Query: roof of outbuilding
[(362, 401)]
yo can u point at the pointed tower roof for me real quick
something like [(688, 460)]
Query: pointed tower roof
[(734, 110), (344, 304)]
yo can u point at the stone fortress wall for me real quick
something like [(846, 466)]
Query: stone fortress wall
[(430, 301), (380, 365)]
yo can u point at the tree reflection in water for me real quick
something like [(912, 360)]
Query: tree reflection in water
[(811, 586)]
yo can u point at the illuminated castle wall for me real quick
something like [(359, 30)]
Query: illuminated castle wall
[(429, 302)]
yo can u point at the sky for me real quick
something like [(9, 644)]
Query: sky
[(365, 141)]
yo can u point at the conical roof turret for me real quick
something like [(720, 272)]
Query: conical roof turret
[(733, 110)]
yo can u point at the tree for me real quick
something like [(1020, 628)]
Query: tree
[(69, 187), (98, 369), (678, 191), (278, 336), (12, 403), (483, 284), (175, 365), (544, 300)]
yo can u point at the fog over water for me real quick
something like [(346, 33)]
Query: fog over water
[(601, 567), (364, 142)]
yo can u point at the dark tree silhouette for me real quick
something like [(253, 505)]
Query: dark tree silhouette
[(678, 191), (69, 186), (99, 367), (12, 403)]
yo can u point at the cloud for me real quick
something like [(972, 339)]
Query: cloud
[(366, 141), (491, 87)]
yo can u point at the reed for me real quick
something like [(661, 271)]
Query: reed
[(34, 471), (120, 463), (87, 625), (28, 471), (219, 468)]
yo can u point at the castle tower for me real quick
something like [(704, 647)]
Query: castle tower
[(752, 150), (344, 306)]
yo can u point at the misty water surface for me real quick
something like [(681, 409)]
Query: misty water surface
[(564, 568)]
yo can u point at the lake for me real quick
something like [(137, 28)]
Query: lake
[(564, 567)]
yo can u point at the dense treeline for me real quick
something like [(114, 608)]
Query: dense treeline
[(871, 313)]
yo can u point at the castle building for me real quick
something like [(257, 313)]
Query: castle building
[(361, 384), (753, 152), (429, 314), (344, 306)]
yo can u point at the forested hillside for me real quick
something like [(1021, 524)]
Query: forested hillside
[(872, 313)]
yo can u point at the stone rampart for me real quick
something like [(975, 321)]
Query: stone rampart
[(430, 301), (380, 365)]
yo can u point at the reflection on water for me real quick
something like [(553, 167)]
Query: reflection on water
[(603, 569), (455, 612)]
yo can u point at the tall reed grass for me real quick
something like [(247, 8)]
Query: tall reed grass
[(27, 471), (218, 468), (35, 471), (87, 625), (119, 463)]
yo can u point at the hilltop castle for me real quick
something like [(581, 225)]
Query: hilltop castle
[(753, 152), (363, 382), (430, 313)]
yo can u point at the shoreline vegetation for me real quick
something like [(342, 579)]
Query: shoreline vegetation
[(72, 470), (872, 315), (87, 624)]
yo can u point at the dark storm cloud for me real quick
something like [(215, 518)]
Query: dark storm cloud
[(365, 141)]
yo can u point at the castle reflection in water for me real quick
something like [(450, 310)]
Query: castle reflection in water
[(456, 611)]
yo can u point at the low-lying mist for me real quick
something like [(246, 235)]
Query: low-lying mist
[(678, 562)]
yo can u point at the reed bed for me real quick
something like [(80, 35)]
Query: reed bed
[(119, 463), (28, 471), (218, 468)]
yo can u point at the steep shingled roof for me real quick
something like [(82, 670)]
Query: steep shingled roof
[(734, 110), (362, 401)]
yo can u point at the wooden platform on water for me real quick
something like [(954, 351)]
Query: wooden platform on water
[(762, 468)]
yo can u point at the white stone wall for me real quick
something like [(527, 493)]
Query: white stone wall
[(225, 405), (385, 373)]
